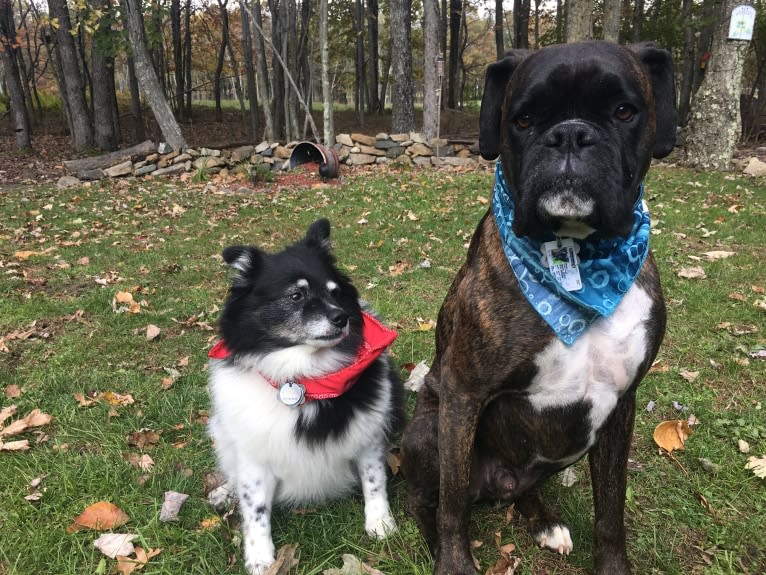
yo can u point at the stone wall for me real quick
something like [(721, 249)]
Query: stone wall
[(353, 150)]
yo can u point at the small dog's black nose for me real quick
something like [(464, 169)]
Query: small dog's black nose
[(571, 135), (338, 318)]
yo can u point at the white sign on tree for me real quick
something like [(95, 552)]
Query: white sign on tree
[(741, 23)]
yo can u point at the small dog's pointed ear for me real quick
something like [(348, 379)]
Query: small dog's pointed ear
[(318, 235), (659, 64), (495, 86), (244, 259)]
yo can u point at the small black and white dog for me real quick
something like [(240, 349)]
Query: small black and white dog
[(304, 397)]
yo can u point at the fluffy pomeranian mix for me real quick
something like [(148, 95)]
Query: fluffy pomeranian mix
[(305, 399)]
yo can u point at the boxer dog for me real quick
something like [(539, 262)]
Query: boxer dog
[(557, 313)]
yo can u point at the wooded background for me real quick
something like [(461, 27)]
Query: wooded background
[(93, 60)]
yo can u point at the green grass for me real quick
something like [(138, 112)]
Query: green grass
[(135, 240)]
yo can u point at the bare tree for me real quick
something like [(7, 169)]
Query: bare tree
[(403, 91), (715, 124), (521, 23), (499, 40), (147, 77), (453, 84), (373, 100), (431, 82), (262, 74), (71, 78), (247, 48), (106, 132), (579, 25), (612, 14), (8, 51), (329, 127)]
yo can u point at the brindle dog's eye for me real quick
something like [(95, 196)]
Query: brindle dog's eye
[(625, 112), (522, 121), (296, 296)]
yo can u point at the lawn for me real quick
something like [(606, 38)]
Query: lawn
[(85, 271)]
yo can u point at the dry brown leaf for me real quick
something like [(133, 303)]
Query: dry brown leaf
[(37, 418), (113, 398), (757, 465), (99, 516), (394, 459), (123, 297), (143, 438), (285, 560), (24, 255), (693, 273), (671, 435), (7, 412), (20, 445), (84, 401), (14, 428), (689, 375), (152, 332), (717, 255), (12, 391), (126, 565)]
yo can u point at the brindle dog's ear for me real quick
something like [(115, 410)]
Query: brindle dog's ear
[(495, 84), (660, 66)]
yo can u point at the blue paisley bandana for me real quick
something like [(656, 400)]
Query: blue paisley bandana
[(608, 267)]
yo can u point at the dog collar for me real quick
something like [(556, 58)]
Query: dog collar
[(375, 339), (608, 267)]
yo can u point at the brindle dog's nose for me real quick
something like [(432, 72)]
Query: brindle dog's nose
[(571, 135)]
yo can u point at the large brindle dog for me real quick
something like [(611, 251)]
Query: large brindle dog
[(557, 313)]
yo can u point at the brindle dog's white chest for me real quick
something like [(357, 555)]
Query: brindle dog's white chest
[(599, 367)]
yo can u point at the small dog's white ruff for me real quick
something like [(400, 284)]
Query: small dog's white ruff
[(556, 538), (264, 461)]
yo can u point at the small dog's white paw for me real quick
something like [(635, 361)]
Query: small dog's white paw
[(380, 527), (220, 498), (557, 539), (257, 567)]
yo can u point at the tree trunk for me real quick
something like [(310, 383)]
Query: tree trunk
[(106, 130), (431, 81), (499, 40), (262, 74), (220, 59), (715, 124), (247, 48), (688, 64), (521, 23), (612, 14), (402, 94), (188, 59), (455, 16), (327, 117), (71, 79), (290, 56), (175, 27), (373, 100), (135, 103), (147, 77), (579, 24), (278, 80), (104, 161), (638, 21), (359, 80), (8, 52)]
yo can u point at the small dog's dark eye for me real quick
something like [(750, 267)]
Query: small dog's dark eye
[(296, 296), (522, 121), (625, 112)]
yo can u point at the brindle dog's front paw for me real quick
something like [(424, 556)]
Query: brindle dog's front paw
[(612, 565), (450, 562)]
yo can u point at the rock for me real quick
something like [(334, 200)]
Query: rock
[(209, 152), (418, 149), (123, 169), (399, 137), (458, 162), (151, 158), (282, 152), (360, 159), (445, 151), (345, 140), (168, 157), (381, 136), (143, 170), (385, 144), (256, 159), (755, 167), (343, 153), (262, 147), (65, 182), (422, 161), (417, 138), (437, 142), (181, 158), (164, 148), (174, 169), (363, 139), (207, 163), (192, 152), (371, 151), (382, 160), (395, 152), (91, 175), (240, 154), (268, 152)]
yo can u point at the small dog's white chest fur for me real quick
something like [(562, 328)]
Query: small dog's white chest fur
[(250, 421), (600, 366)]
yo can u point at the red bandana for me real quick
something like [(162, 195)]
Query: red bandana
[(376, 338)]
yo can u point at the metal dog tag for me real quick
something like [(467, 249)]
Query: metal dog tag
[(292, 393), (561, 256)]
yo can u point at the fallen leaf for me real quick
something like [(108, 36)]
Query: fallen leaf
[(114, 544), (394, 459), (743, 446), (171, 506), (718, 255), (398, 268), (20, 445), (671, 435), (99, 516), (568, 477), (152, 332), (425, 324), (37, 418), (285, 560), (12, 391), (692, 273), (84, 401), (757, 465), (144, 461), (123, 297), (709, 466), (24, 255), (113, 398), (7, 412), (126, 565), (143, 438), (688, 375)]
